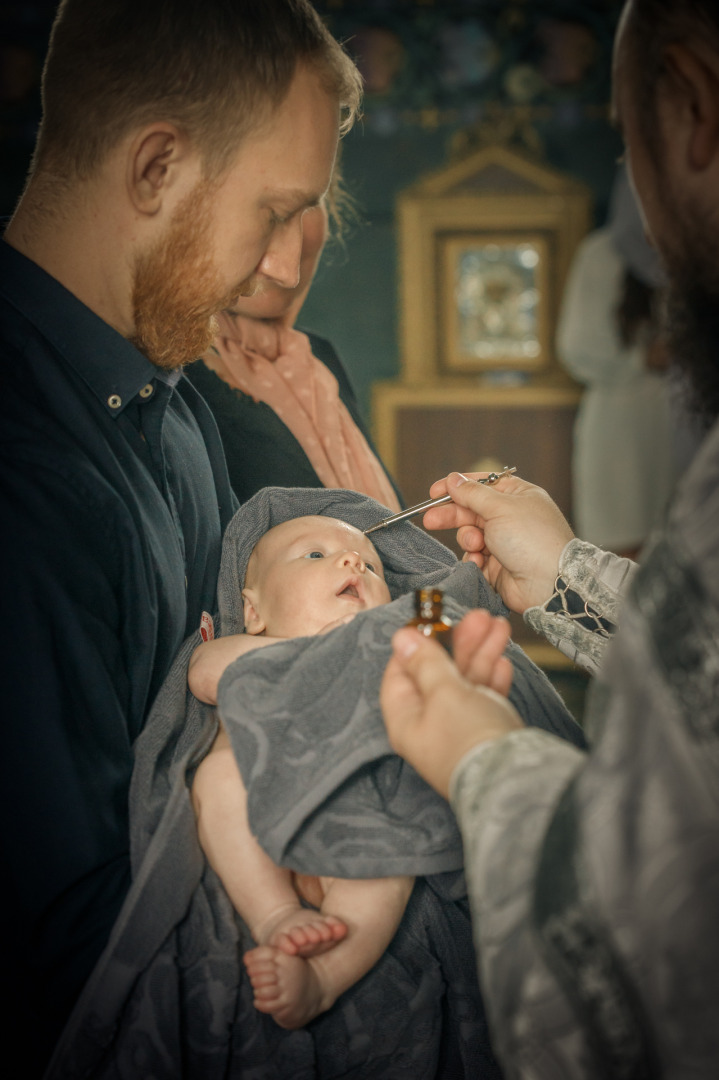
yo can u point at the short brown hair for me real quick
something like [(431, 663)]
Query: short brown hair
[(212, 67)]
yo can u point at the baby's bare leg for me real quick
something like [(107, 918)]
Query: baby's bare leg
[(295, 989), (261, 892)]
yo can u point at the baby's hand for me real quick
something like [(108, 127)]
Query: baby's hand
[(478, 644), (337, 622)]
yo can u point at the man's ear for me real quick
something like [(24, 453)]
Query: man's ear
[(254, 624), (155, 158), (694, 73)]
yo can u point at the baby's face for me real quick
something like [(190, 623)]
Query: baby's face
[(308, 573)]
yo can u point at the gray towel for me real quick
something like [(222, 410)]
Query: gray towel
[(325, 793), (169, 996)]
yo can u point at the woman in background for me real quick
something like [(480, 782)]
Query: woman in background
[(609, 339), (282, 400)]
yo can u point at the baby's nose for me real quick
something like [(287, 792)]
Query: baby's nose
[(353, 558)]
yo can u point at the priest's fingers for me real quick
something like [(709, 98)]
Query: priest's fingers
[(478, 644), (432, 713)]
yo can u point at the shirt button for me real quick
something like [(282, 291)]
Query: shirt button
[(147, 390), (114, 401)]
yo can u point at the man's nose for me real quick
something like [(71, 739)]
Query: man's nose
[(281, 261)]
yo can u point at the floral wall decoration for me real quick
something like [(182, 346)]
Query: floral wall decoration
[(437, 64)]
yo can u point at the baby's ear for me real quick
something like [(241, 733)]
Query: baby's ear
[(254, 623)]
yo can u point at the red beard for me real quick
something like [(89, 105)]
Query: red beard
[(177, 291)]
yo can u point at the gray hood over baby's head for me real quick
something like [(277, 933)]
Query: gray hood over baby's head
[(412, 559)]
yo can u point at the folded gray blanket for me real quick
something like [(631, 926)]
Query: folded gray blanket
[(169, 997), (326, 795)]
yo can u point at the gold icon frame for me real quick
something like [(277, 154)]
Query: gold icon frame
[(497, 198)]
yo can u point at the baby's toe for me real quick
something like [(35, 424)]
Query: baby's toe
[(336, 928)]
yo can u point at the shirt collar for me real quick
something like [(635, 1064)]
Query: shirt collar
[(113, 369)]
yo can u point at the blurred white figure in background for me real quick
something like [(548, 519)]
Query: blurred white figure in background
[(609, 338)]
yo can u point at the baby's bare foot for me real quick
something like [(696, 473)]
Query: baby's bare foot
[(289, 988), (302, 932)]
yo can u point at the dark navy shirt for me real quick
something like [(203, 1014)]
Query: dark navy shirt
[(114, 495)]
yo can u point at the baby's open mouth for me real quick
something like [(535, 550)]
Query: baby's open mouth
[(349, 590)]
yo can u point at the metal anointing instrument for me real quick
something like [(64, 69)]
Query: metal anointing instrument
[(421, 507)]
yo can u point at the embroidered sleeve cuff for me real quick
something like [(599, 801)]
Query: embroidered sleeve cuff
[(582, 613)]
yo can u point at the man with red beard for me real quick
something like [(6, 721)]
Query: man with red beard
[(594, 877), (179, 149)]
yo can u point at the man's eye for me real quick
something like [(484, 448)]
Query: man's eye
[(315, 555)]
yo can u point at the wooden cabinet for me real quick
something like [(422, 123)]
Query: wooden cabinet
[(424, 432)]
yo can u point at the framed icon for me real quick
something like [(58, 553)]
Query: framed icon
[(485, 245), (495, 306)]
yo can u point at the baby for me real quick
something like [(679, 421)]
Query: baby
[(305, 576)]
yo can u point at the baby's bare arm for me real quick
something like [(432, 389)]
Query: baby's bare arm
[(210, 659)]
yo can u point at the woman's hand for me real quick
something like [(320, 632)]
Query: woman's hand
[(433, 708), (512, 530)]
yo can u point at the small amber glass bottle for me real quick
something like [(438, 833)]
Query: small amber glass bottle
[(429, 618)]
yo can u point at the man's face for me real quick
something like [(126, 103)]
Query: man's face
[(229, 237), (272, 301), (308, 573)]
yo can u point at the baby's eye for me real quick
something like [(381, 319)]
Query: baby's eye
[(315, 555), (371, 566)]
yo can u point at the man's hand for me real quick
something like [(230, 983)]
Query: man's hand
[(433, 710), (512, 530), (478, 644)]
